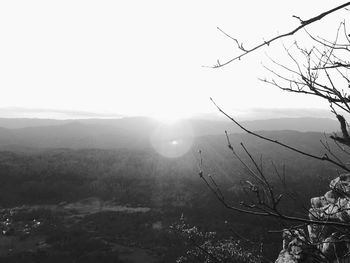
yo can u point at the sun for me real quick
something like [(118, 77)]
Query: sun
[(170, 115), (167, 119)]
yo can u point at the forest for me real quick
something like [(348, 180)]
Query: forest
[(122, 204)]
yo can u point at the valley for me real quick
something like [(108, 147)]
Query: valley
[(72, 204)]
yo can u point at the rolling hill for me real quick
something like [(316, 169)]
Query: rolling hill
[(131, 133)]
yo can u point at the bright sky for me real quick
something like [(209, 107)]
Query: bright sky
[(141, 57)]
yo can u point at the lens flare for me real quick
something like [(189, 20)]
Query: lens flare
[(172, 140)]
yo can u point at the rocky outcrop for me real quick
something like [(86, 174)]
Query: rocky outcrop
[(296, 248), (320, 243)]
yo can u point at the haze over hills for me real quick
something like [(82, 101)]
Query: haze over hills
[(133, 132), (298, 124), (242, 114)]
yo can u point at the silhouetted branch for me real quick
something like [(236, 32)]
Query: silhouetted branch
[(260, 207), (303, 23), (345, 139), (321, 158)]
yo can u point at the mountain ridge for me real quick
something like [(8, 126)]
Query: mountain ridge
[(135, 132)]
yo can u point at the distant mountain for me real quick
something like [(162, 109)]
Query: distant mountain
[(45, 113), (132, 132), (210, 126), (295, 124), (73, 135)]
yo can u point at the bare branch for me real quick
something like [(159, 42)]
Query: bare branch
[(321, 158), (303, 23)]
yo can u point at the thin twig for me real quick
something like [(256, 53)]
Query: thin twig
[(303, 24)]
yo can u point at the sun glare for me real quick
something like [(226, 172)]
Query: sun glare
[(170, 115), (167, 119), (172, 140)]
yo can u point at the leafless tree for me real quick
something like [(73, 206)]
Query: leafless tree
[(321, 70)]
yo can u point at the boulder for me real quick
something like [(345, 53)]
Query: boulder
[(322, 243)]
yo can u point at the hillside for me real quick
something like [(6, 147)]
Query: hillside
[(100, 185), (134, 133)]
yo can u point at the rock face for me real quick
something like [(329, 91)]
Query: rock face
[(322, 243)]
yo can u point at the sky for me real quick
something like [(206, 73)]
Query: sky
[(145, 57)]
